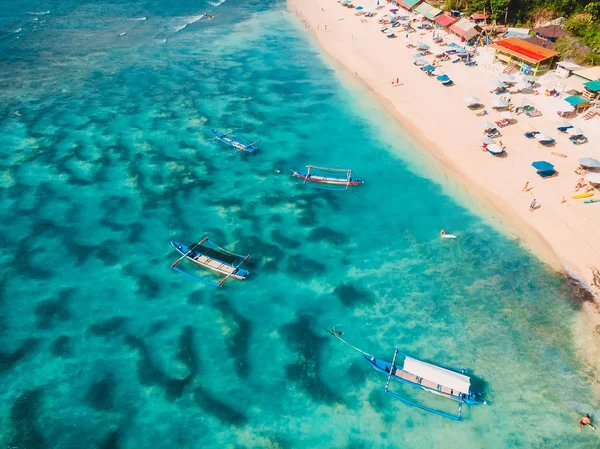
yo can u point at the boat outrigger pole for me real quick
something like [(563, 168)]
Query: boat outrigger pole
[(338, 335), (249, 145), (393, 367), (236, 267), (190, 250), (226, 134)]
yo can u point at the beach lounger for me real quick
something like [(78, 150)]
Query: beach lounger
[(454, 61), (493, 133), (482, 113), (578, 140), (547, 174), (471, 63), (547, 143), (494, 153), (531, 135), (534, 113), (391, 35), (563, 129)]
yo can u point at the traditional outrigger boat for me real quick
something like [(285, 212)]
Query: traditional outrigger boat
[(446, 382), (317, 176), (212, 257), (231, 139)]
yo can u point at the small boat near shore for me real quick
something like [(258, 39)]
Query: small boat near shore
[(209, 255), (317, 177), (233, 140), (449, 383)]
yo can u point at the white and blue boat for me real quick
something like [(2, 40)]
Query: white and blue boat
[(449, 383), (235, 141), (209, 255)]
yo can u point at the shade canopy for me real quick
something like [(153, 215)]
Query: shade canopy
[(428, 68), (565, 108), (576, 100), (542, 165), (423, 47), (488, 141), (472, 100), (530, 78), (487, 125), (594, 178), (443, 78), (439, 376), (359, 8), (497, 85), (575, 132), (498, 103), (506, 115), (438, 72), (421, 62), (563, 124), (526, 127), (543, 137), (506, 78), (589, 162)]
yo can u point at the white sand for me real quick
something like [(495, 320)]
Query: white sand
[(565, 235)]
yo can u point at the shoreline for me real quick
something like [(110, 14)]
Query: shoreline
[(558, 250)]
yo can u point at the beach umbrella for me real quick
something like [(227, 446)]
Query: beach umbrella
[(472, 100), (543, 137), (423, 47), (417, 55), (589, 162), (487, 125), (506, 115), (443, 78), (563, 124), (565, 107), (506, 78), (530, 78), (575, 132), (497, 85), (359, 8), (495, 148), (488, 141), (527, 127), (542, 165), (594, 178), (499, 103), (438, 72), (421, 62), (428, 68)]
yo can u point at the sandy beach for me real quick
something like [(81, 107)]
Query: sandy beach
[(563, 233)]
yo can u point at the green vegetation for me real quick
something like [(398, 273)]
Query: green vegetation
[(582, 21)]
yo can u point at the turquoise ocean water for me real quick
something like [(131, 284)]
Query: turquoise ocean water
[(104, 158)]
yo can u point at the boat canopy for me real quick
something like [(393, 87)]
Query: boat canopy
[(441, 376)]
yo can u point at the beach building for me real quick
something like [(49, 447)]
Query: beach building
[(428, 11), (465, 29), (539, 41), (524, 56), (410, 5), (517, 32), (550, 32), (584, 81), (480, 18), (564, 69), (445, 21)]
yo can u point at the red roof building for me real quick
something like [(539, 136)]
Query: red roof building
[(444, 21), (530, 58), (479, 16)]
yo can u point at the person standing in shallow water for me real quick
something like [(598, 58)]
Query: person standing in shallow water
[(586, 421)]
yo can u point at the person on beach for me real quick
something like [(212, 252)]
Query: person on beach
[(525, 187), (533, 205)]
